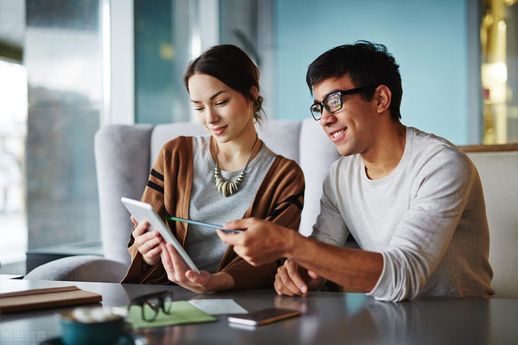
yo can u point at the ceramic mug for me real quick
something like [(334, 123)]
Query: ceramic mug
[(86, 326)]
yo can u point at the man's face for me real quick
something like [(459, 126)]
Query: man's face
[(351, 128)]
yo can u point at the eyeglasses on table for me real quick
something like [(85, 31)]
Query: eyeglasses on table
[(151, 304)]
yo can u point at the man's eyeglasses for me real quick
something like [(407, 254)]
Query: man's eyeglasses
[(335, 101), (151, 304)]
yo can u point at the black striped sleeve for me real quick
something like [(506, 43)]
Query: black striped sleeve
[(156, 181), (157, 175), (283, 205), (156, 187)]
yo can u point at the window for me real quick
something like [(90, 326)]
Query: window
[(13, 131), (498, 32), (64, 67)]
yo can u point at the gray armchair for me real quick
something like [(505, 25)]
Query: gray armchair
[(124, 156)]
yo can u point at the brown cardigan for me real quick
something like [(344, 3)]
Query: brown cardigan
[(279, 199)]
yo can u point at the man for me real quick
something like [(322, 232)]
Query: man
[(411, 200)]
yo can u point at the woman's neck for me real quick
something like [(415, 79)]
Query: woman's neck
[(235, 154)]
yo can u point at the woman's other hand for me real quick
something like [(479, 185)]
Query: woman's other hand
[(178, 272)]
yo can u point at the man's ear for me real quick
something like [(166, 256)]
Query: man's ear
[(383, 98)]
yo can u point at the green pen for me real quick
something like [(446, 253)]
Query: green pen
[(206, 225)]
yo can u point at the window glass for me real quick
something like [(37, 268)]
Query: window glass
[(499, 29), (13, 130), (162, 51), (63, 60)]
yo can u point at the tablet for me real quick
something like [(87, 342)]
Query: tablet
[(144, 211)]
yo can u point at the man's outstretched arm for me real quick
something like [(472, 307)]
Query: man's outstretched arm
[(264, 242)]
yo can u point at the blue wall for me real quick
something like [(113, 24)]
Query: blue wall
[(427, 38)]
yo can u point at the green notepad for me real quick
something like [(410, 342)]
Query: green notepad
[(182, 313)]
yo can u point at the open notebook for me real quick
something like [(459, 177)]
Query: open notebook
[(55, 297)]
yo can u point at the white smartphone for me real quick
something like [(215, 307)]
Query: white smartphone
[(263, 316), (144, 211)]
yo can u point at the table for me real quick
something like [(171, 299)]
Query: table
[(329, 318)]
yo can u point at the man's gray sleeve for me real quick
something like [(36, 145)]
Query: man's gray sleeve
[(330, 226), (423, 235)]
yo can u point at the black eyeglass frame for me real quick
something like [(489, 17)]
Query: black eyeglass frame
[(144, 300), (317, 113)]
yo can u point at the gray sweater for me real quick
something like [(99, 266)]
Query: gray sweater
[(427, 218), (208, 205)]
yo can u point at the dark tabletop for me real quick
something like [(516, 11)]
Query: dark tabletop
[(328, 318)]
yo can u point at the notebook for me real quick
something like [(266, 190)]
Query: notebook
[(44, 298)]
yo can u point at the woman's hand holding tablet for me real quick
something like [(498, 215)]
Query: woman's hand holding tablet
[(143, 211)]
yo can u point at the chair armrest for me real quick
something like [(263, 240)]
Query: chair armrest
[(80, 268)]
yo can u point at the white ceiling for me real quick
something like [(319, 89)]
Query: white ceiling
[(12, 22)]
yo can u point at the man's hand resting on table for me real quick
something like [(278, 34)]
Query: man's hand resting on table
[(293, 280)]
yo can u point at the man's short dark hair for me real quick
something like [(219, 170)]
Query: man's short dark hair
[(366, 63)]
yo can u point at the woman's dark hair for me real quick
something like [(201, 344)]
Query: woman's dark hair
[(230, 65), (366, 63)]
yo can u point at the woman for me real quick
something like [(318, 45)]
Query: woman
[(228, 175)]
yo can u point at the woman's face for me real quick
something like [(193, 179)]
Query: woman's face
[(226, 113)]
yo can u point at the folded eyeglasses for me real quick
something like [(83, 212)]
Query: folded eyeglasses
[(151, 304)]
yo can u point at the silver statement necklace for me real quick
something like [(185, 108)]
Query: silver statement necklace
[(225, 187)]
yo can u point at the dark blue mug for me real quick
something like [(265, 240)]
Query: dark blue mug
[(100, 331)]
